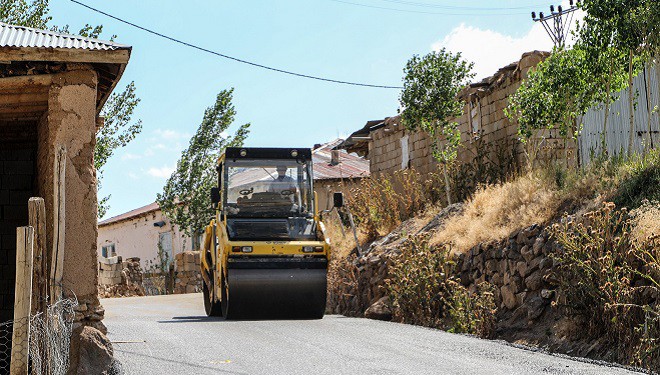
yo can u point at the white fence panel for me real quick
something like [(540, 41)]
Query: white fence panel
[(618, 123)]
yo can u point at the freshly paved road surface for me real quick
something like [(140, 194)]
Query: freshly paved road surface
[(171, 335)]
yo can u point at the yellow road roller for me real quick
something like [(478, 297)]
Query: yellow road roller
[(265, 255)]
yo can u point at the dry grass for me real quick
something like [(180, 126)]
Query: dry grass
[(646, 221), (342, 242), (497, 210)]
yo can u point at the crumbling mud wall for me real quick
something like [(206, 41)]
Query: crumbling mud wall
[(483, 124), (70, 123)]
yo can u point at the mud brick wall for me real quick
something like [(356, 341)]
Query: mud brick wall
[(17, 173), (483, 121)]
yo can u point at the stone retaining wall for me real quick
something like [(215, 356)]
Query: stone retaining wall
[(519, 267), (188, 278)]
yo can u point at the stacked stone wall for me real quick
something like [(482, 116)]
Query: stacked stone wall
[(188, 277), (119, 278), (519, 267)]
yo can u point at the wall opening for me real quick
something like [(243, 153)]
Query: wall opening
[(18, 153)]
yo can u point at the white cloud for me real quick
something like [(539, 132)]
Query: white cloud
[(129, 156), (171, 134), (491, 50), (162, 172)]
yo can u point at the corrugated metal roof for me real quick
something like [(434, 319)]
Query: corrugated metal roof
[(349, 166), (20, 36)]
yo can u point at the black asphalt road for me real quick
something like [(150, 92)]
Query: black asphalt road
[(171, 335)]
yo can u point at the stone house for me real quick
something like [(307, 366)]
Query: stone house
[(390, 147), (138, 233), (52, 89)]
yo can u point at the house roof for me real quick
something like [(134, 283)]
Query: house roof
[(21, 36), (131, 214), (349, 166), (20, 45)]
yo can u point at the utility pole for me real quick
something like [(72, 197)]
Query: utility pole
[(557, 23)]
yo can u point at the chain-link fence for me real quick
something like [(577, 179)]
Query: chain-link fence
[(47, 352)]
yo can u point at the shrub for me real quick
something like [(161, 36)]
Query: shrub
[(425, 292), (640, 179), (380, 203), (611, 280)]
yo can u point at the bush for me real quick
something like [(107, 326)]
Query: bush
[(381, 203), (640, 180), (611, 280), (425, 292)]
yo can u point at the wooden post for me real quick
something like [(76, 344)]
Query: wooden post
[(37, 211), (59, 218), (21, 335)]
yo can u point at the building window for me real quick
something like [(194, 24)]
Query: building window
[(405, 154), (108, 251)]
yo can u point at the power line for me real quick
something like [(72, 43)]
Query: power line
[(425, 12), (230, 57), (441, 6)]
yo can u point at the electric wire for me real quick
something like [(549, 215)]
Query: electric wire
[(441, 6), (425, 12), (231, 57)]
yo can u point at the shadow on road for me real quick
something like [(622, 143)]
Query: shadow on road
[(193, 319)]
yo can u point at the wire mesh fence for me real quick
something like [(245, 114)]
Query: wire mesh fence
[(47, 350)]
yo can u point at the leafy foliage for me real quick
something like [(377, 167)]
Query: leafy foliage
[(561, 89), (186, 198), (118, 131), (429, 98), (21, 12)]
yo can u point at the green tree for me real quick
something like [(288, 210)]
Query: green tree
[(429, 100), (559, 90), (24, 13), (633, 26), (186, 198), (119, 129), (118, 111)]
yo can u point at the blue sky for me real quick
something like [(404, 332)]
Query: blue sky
[(326, 38)]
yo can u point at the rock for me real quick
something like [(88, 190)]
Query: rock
[(535, 307), (534, 281), (546, 263), (537, 248), (508, 297), (94, 352), (381, 310), (527, 253), (496, 279), (521, 267), (547, 294)]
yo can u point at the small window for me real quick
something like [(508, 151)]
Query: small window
[(108, 251)]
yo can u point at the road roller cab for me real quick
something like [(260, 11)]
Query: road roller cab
[(266, 254)]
